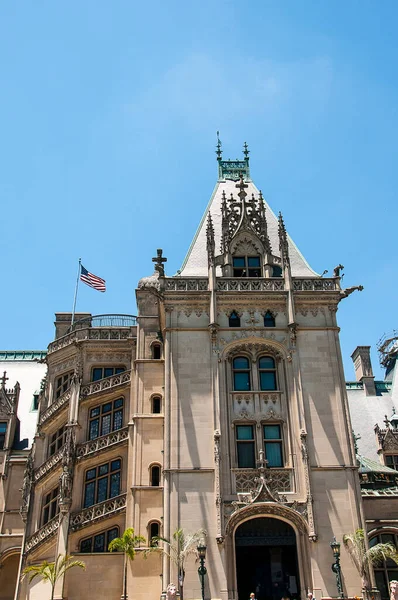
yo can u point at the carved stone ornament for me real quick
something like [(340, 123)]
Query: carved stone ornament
[(151, 283), (388, 439), (28, 479), (254, 348), (217, 460)]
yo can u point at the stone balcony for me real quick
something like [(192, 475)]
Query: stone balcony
[(55, 408), (183, 284), (316, 284), (51, 463), (250, 284), (106, 384), (43, 534), (97, 512), (278, 480), (91, 448)]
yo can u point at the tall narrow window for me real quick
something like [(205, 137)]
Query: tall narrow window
[(105, 418), (155, 476), (241, 373), (234, 319), (156, 351), (102, 372), (57, 440), (156, 405), (246, 266), (102, 483), (391, 460), (273, 445), (267, 372), (154, 531), (3, 431), (62, 383), (245, 446), (50, 506), (387, 570), (269, 319)]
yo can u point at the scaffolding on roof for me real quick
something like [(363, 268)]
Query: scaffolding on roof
[(387, 347)]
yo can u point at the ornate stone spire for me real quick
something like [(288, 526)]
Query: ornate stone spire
[(283, 243), (211, 245), (246, 151), (219, 145)]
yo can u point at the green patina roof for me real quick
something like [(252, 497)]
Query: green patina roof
[(366, 465), (17, 355)]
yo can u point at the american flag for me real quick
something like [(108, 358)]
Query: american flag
[(92, 280)]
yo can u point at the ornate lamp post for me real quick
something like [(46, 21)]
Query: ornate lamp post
[(202, 569), (335, 546)]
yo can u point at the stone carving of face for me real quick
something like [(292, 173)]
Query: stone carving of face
[(171, 590), (394, 588)]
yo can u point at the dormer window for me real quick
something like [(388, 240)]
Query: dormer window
[(246, 266)]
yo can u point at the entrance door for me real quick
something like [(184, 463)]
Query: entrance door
[(266, 560)]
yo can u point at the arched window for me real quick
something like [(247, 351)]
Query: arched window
[(156, 405), (276, 271), (388, 570), (267, 373), (269, 319), (234, 319), (155, 476), (153, 532), (156, 351), (241, 374)]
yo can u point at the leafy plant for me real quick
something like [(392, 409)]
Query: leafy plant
[(53, 571), (178, 549), (364, 558), (126, 544)]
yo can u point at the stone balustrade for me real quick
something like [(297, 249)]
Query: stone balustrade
[(318, 284), (107, 383), (91, 333), (278, 480), (250, 284), (97, 512), (49, 465), (55, 407), (90, 448), (182, 284), (43, 534)]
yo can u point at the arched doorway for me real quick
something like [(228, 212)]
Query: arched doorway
[(266, 559), (8, 576)]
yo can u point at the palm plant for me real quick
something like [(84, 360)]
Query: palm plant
[(126, 544), (178, 548), (364, 558), (53, 571)]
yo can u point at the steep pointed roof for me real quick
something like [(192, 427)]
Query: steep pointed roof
[(195, 263)]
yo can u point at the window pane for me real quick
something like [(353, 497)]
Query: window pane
[(99, 543), (45, 515), (253, 261), (267, 380), (106, 407), (156, 405), (382, 584), (238, 261), (112, 534), (234, 320), (89, 494), (155, 476), (242, 381), (244, 432), (94, 429), (90, 474), (272, 432), (3, 427), (246, 455), (103, 470), (94, 412), (115, 485), (85, 545), (387, 538), (102, 493), (117, 420), (269, 320), (266, 362), (118, 403), (106, 425), (97, 374), (273, 454), (241, 362), (374, 541), (119, 370), (108, 371), (115, 465)]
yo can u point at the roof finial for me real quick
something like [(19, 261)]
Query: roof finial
[(246, 151), (219, 144), (4, 379)]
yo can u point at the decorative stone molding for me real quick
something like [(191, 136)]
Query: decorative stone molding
[(310, 512), (244, 334), (62, 342), (263, 509), (55, 408), (89, 449), (183, 284), (254, 349), (108, 333), (315, 284), (388, 439), (108, 383), (217, 460), (97, 512), (246, 284), (278, 480), (43, 534), (49, 465), (90, 333)]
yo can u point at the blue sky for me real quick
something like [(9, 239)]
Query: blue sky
[(108, 119)]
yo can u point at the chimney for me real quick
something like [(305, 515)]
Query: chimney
[(363, 369), (63, 322)]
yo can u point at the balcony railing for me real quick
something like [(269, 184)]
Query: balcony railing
[(55, 407), (278, 480), (250, 284), (49, 465), (97, 512), (90, 448), (182, 284), (105, 321), (318, 284), (42, 535), (107, 383)]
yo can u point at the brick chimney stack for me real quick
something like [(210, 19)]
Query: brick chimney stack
[(363, 369)]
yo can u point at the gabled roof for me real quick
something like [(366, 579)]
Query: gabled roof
[(366, 465), (195, 263)]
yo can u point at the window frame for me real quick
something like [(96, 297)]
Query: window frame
[(265, 370), (150, 536), (271, 319), (156, 397), (246, 269), (151, 469), (3, 435), (50, 499), (243, 441), (117, 369), (62, 383), (100, 417), (234, 319), (394, 461), (277, 441), (98, 477), (58, 441), (92, 538), (384, 568), (237, 370)]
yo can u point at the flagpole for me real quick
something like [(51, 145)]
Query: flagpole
[(77, 285)]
